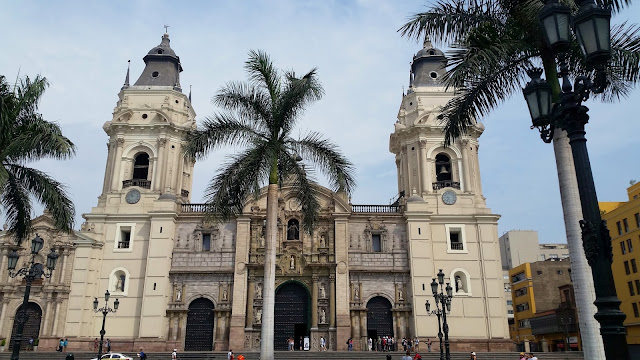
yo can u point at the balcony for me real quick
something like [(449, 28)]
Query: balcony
[(375, 208), (143, 183), (457, 246), (194, 208), (445, 184)]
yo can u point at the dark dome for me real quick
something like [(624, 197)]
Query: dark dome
[(428, 66), (163, 48), (428, 52), (162, 67)]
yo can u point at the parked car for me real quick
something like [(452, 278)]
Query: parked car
[(114, 356)]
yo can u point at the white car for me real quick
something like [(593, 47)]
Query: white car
[(113, 356)]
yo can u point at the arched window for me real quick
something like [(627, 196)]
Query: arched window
[(443, 167), (141, 166), (293, 230)]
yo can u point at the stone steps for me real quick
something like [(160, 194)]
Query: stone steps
[(298, 355)]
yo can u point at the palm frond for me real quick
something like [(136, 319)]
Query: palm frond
[(220, 130), (49, 192), (262, 73), (337, 168), (304, 188), (228, 190), (247, 101), (625, 48), (296, 95), (614, 5), (17, 208), (35, 139)]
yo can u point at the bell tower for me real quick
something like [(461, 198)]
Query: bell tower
[(425, 167)]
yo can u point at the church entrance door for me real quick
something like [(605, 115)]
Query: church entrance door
[(199, 333), (292, 315), (379, 317), (31, 326)]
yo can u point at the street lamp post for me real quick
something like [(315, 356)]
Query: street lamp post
[(30, 273), (443, 307), (591, 26), (104, 310)]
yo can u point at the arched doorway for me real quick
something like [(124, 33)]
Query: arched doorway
[(31, 327), (292, 314), (379, 318), (199, 333)]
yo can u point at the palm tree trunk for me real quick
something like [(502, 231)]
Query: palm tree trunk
[(580, 271), (268, 297)]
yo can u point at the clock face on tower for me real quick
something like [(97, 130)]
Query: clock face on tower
[(449, 197), (133, 196)]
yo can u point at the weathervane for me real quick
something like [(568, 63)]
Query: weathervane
[(166, 29)]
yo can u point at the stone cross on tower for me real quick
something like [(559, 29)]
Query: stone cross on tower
[(166, 29)]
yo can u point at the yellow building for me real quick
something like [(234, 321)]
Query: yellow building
[(544, 306), (623, 220)]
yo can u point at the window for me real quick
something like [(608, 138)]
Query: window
[(506, 277), (637, 286), (522, 307), (510, 302), (635, 310), (634, 268), (629, 245), (623, 248), (443, 167), (630, 285), (626, 225), (510, 312), (539, 272), (125, 239), (517, 277), (559, 272), (141, 166), (455, 239), (626, 268), (376, 245), (553, 256), (619, 228), (206, 242), (521, 291), (524, 323), (637, 216), (542, 257)]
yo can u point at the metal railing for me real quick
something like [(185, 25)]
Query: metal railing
[(445, 184), (123, 244), (143, 183), (457, 246), (194, 208), (375, 208)]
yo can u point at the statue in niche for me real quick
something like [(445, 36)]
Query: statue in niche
[(119, 284), (323, 241), (261, 240), (257, 316), (259, 291), (323, 293), (293, 230), (400, 294), (323, 316), (292, 262), (459, 287), (179, 295), (225, 294), (356, 292)]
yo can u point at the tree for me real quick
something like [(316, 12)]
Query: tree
[(25, 136), (260, 115), (494, 43)]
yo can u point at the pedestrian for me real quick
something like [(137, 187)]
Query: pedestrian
[(404, 344), (417, 347), (142, 355), (66, 344), (300, 343), (108, 345), (532, 357), (523, 356), (370, 344), (350, 343), (417, 357), (31, 344), (429, 344), (323, 344), (473, 356), (407, 356), (95, 345), (174, 354), (230, 355)]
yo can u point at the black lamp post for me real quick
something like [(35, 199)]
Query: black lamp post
[(591, 26), (105, 310), (443, 307), (30, 273)]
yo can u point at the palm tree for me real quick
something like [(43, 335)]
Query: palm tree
[(494, 43), (26, 136), (260, 116)]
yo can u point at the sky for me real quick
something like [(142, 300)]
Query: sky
[(82, 48)]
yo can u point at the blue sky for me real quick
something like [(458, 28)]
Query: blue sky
[(363, 63)]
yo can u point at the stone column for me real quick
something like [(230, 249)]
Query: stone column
[(238, 305), (54, 331), (332, 301), (105, 182), (47, 318), (159, 180), (399, 172), (65, 255), (117, 165), (466, 185), (363, 330), (314, 302), (2, 317), (425, 183), (250, 296)]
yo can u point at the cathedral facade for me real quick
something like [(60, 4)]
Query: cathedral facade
[(186, 282)]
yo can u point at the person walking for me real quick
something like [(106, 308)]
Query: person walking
[(350, 343), (407, 356), (61, 345), (323, 344), (370, 344), (142, 355), (473, 356), (95, 345), (230, 355), (429, 344), (417, 345), (66, 344), (174, 354), (108, 345)]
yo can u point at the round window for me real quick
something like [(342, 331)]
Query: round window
[(144, 116), (155, 74), (433, 74), (160, 51)]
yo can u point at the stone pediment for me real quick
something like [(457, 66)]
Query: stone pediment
[(330, 202)]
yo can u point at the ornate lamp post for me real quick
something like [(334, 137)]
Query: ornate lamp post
[(104, 310), (443, 307), (591, 26), (30, 273)]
